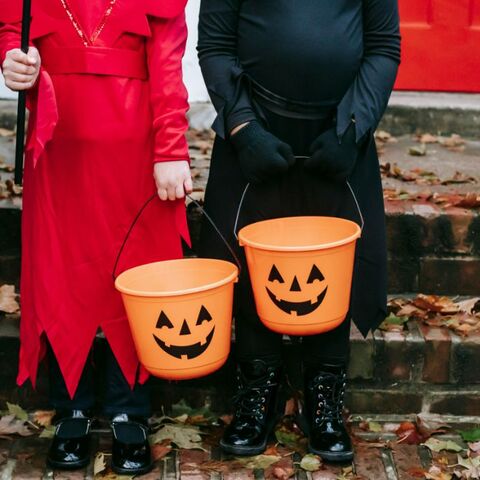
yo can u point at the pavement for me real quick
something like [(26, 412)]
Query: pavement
[(378, 456)]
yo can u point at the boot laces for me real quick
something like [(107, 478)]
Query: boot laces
[(251, 398), (329, 390)]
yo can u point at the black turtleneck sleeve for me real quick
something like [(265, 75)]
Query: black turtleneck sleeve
[(221, 68), (367, 97)]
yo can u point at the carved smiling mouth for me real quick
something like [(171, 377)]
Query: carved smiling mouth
[(189, 351), (298, 308)]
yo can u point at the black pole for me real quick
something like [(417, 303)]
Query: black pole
[(22, 98)]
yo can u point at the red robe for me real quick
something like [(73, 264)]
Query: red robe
[(101, 115)]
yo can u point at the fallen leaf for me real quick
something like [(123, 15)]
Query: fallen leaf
[(428, 426), (48, 432), (182, 436), (6, 133), (471, 466), (161, 450), (43, 417), (99, 464), (287, 437), (470, 200), (459, 178), (435, 303), (470, 305), (435, 473), (419, 151), (17, 411), (475, 446), (259, 461), (10, 425), (283, 473), (427, 138), (436, 445), (311, 463), (393, 323), (472, 435), (8, 302)]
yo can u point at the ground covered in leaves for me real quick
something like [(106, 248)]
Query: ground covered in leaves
[(185, 445)]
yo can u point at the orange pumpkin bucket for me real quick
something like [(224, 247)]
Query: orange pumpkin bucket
[(180, 314), (301, 271)]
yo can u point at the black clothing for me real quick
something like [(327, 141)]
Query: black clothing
[(368, 25), (331, 157), (261, 155), (118, 396), (343, 53)]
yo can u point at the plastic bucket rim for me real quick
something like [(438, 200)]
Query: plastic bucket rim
[(231, 278), (304, 248)]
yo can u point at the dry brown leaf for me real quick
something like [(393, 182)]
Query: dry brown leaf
[(459, 177), (8, 302), (9, 425), (418, 151), (161, 450), (4, 132), (435, 303), (43, 417), (427, 138), (470, 305)]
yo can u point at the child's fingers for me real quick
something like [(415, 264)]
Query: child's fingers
[(188, 185), (17, 86), (162, 193), (18, 56), (33, 57), (20, 68), (179, 191), (19, 77)]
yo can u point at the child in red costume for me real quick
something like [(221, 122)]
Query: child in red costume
[(106, 130)]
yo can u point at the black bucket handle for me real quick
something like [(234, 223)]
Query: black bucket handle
[(202, 210), (297, 157)]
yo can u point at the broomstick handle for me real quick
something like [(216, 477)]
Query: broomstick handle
[(22, 98)]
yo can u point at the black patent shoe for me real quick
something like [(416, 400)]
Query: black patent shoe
[(256, 409), (70, 447), (131, 453), (324, 400)]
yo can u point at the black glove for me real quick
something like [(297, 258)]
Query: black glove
[(331, 157), (261, 155)]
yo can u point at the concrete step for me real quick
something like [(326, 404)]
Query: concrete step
[(407, 112), (422, 369)]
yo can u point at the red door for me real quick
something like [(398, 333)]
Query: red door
[(440, 45)]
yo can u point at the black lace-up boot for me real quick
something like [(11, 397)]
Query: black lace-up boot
[(324, 399), (256, 409)]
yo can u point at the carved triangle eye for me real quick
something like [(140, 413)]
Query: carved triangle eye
[(275, 275), (315, 274), (203, 316), (163, 321)]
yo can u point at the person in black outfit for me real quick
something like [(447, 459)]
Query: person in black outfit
[(299, 88)]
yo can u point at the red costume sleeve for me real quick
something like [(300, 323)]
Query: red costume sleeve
[(9, 38), (169, 97)]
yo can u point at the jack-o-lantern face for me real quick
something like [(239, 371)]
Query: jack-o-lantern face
[(186, 332), (294, 289)]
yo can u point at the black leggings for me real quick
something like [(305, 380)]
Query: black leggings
[(118, 396)]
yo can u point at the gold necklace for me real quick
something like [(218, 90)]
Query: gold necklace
[(88, 41)]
